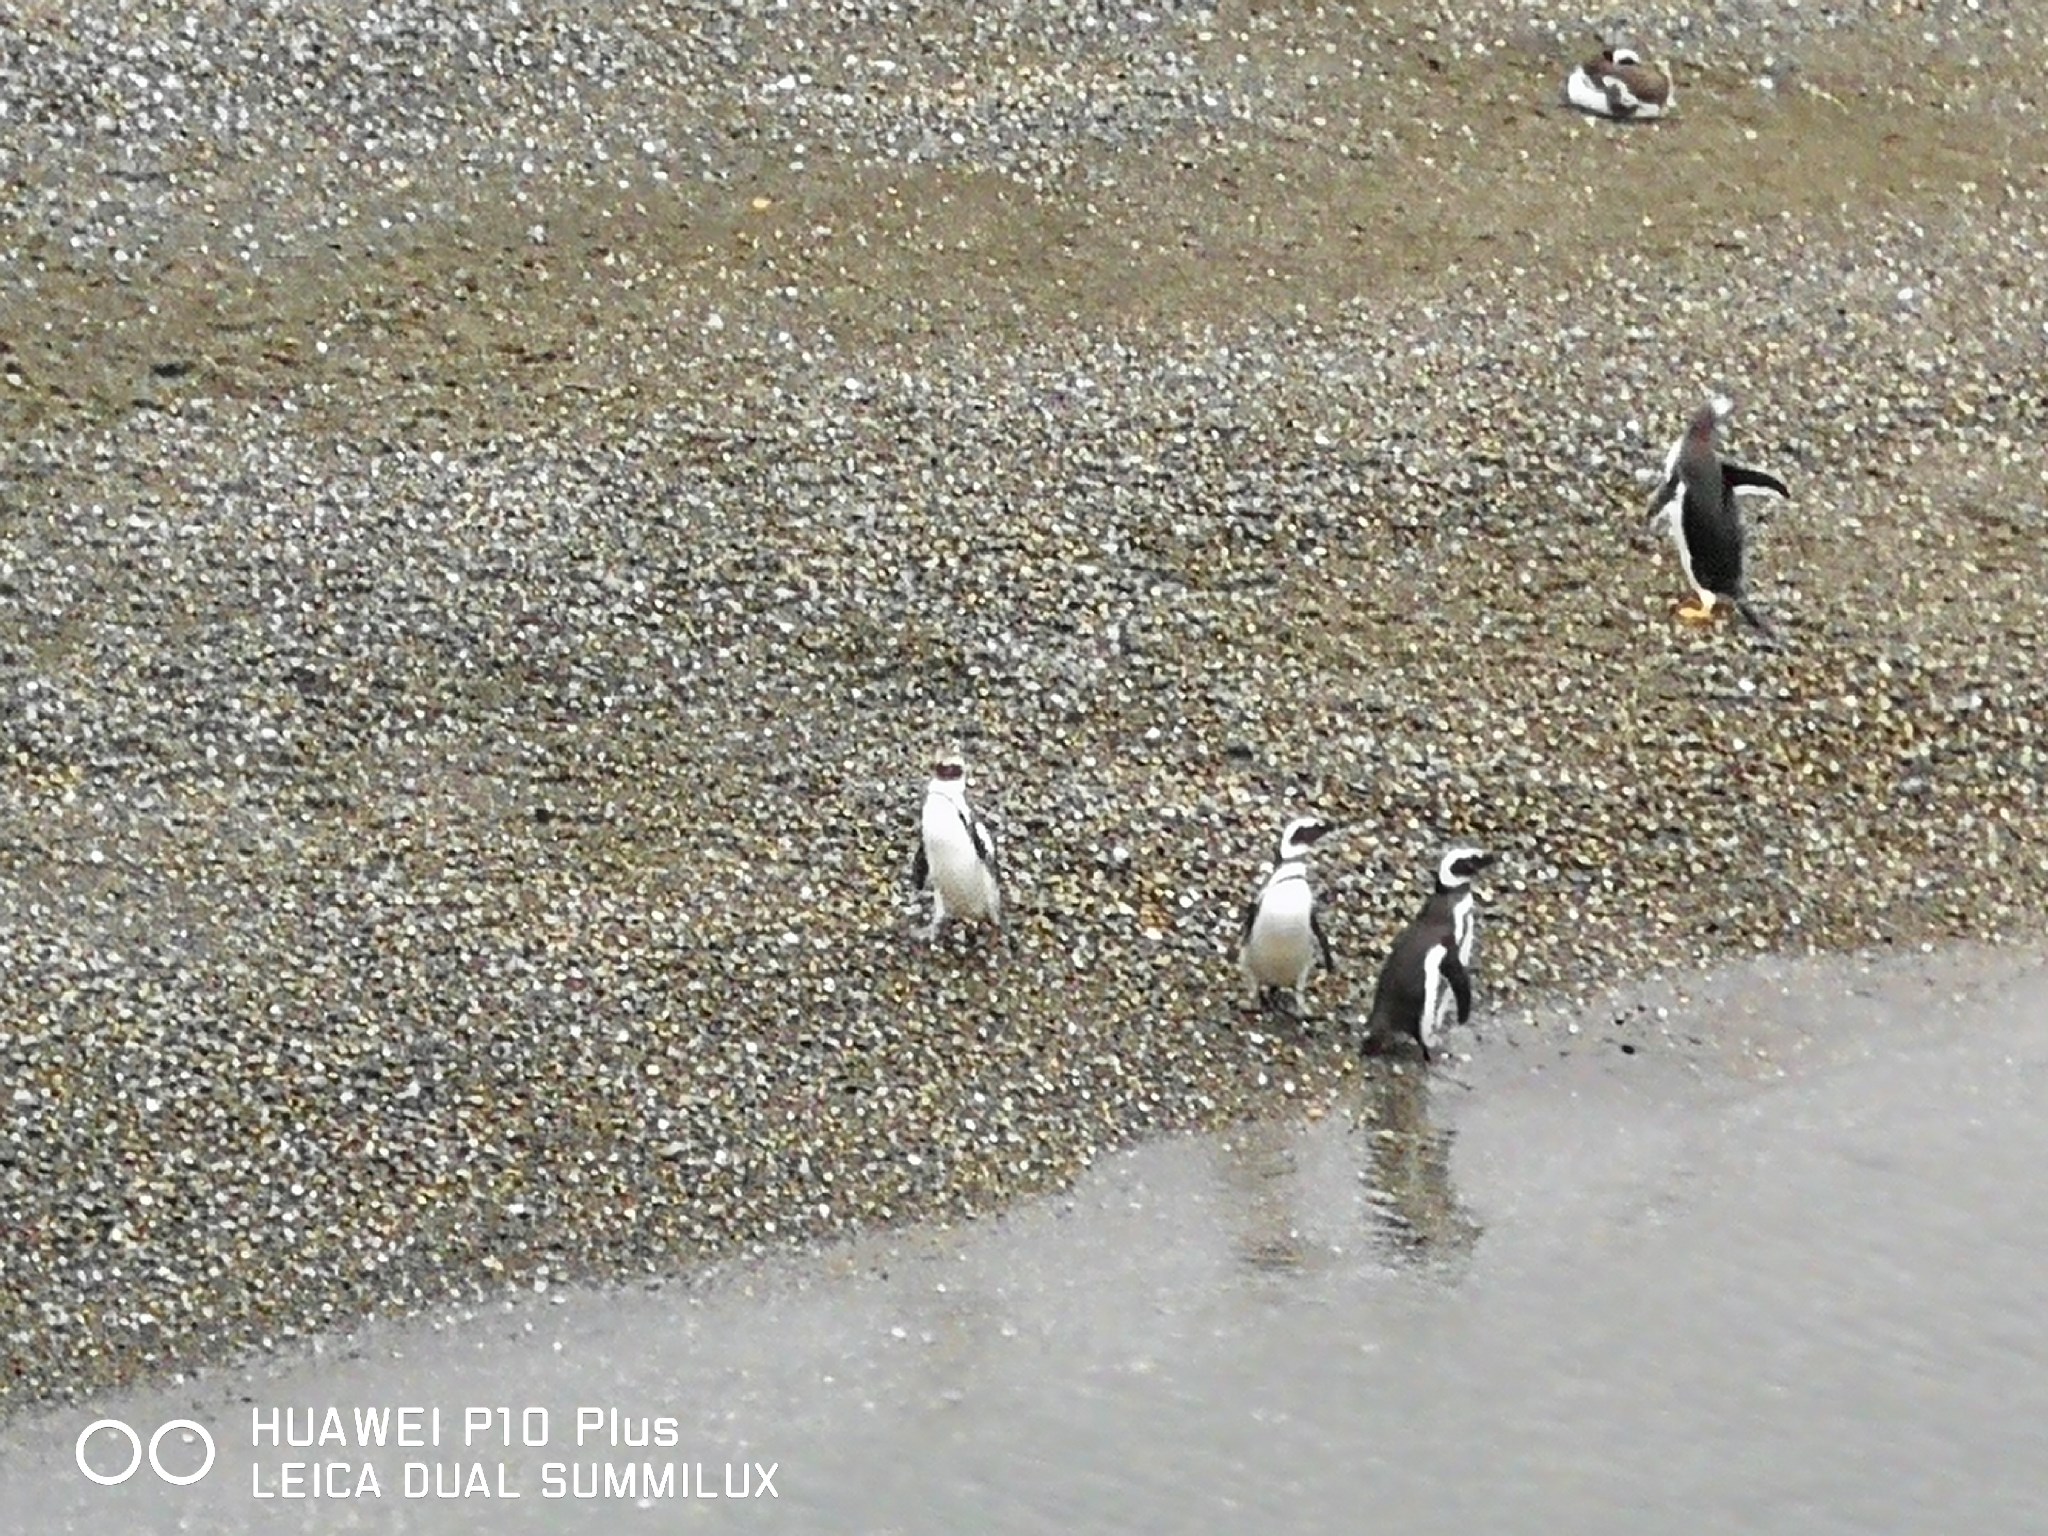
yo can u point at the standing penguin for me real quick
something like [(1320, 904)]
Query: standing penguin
[(956, 853), (1705, 525), (1428, 971), (1282, 936)]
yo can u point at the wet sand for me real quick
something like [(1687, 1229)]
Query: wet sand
[(1774, 1269)]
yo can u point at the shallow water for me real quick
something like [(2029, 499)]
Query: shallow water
[(1781, 1269)]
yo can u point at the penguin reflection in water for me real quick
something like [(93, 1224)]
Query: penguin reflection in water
[(956, 853), (1705, 524), (1281, 939), (1428, 973)]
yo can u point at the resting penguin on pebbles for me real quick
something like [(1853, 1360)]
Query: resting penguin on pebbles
[(1429, 970), (956, 853), (1620, 85), (1705, 524), (1282, 937)]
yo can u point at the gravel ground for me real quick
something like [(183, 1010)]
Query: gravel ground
[(501, 504)]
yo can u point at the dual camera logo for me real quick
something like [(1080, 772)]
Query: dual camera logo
[(156, 1464)]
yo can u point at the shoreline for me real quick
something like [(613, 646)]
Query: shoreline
[(1703, 1037), (1397, 1210)]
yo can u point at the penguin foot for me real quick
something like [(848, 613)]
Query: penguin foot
[(1394, 1043), (1268, 1001), (1688, 611)]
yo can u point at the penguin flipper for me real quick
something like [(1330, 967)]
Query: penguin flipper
[(1740, 477), (1620, 99), (1660, 504), (983, 839), (1461, 983), (1244, 929), (1315, 924), (920, 868)]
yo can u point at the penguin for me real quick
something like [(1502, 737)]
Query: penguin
[(1620, 85), (956, 853), (1282, 938), (1705, 524), (1429, 969)]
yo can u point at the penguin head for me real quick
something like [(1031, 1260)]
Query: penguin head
[(1696, 448), (1622, 56), (1300, 834), (1707, 420), (950, 773), (1699, 432), (1458, 867)]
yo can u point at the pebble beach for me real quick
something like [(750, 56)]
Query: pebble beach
[(501, 505)]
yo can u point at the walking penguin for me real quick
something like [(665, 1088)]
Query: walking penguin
[(956, 853), (1705, 524), (1428, 972), (1282, 938)]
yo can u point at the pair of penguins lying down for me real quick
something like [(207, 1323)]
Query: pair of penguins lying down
[(1428, 972), (1618, 84)]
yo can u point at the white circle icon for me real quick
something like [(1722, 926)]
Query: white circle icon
[(134, 1444), (156, 1439), (156, 1465)]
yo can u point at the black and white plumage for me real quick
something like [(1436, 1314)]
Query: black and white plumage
[(1281, 939), (1697, 501), (1428, 972), (1618, 84), (956, 853)]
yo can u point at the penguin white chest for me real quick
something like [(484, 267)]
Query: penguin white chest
[(1680, 543), (1465, 924), (966, 886), (1438, 1001), (1584, 92), (1441, 1004), (1282, 946)]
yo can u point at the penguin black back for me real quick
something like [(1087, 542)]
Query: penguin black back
[(1421, 966), (1708, 528), (1429, 967)]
